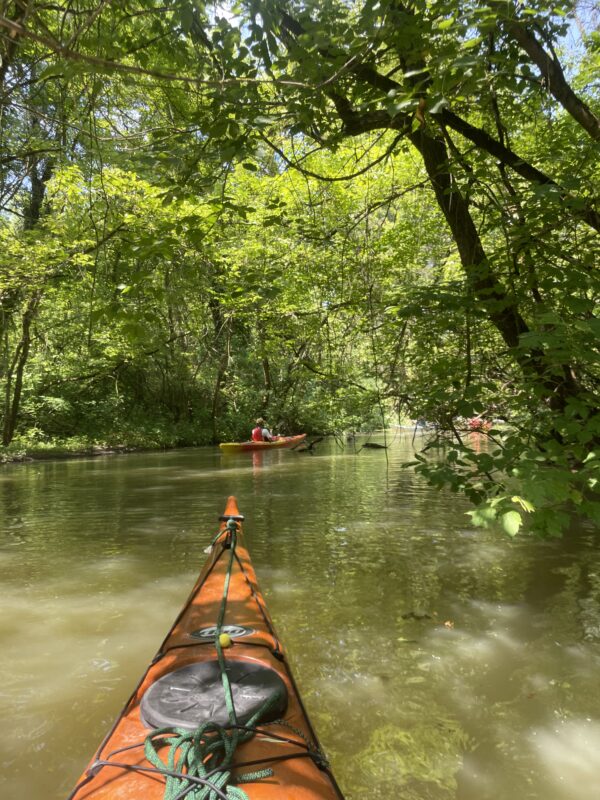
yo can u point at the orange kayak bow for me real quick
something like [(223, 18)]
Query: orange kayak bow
[(217, 713)]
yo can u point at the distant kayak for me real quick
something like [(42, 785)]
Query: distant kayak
[(242, 447)]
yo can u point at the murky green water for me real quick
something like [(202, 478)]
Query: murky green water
[(437, 662)]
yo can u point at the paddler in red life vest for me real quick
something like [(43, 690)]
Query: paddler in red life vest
[(261, 433)]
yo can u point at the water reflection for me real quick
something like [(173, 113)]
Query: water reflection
[(436, 661)]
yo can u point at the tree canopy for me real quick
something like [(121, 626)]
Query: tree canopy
[(325, 212)]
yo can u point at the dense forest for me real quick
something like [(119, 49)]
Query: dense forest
[(337, 215)]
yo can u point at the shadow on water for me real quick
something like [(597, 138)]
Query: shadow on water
[(437, 662)]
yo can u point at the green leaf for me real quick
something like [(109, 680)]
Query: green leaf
[(525, 504), (53, 71), (439, 106), (482, 517), (485, 462), (398, 107), (446, 23), (511, 522), (186, 16), (263, 122)]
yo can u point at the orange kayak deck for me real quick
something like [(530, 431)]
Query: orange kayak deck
[(225, 598), (242, 447)]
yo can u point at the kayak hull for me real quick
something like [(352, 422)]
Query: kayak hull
[(120, 771), (242, 447)]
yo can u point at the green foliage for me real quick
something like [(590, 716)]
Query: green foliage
[(182, 248)]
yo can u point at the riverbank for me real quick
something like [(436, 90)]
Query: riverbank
[(21, 450), (46, 453)]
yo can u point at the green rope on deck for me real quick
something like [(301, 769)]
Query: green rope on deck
[(208, 752)]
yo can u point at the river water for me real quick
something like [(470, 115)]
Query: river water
[(437, 662)]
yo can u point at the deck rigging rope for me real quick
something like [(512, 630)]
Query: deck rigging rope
[(208, 752)]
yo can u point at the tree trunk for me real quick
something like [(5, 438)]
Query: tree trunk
[(9, 299), (12, 396), (222, 341), (500, 308), (8, 46), (554, 77), (217, 401)]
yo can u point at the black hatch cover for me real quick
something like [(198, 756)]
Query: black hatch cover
[(193, 695)]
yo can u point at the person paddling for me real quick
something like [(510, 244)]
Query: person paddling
[(261, 433)]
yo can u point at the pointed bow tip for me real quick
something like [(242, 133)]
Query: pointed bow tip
[(231, 509)]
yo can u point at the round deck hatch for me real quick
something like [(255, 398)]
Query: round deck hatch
[(193, 695)]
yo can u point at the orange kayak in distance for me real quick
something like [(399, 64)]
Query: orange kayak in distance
[(217, 714), (241, 447)]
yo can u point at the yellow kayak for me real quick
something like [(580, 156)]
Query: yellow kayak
[(242, 447)]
